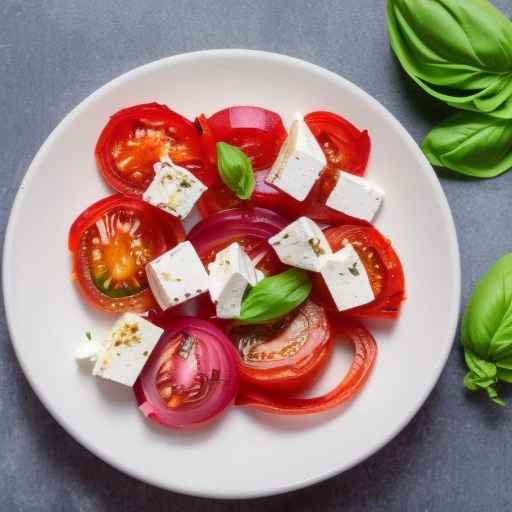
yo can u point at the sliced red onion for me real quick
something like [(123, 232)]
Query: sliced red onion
[(237, 223), (191, 375)]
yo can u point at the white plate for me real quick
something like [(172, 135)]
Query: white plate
[(245, 454)]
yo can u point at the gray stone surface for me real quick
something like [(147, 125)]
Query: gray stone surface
[(455, 455)]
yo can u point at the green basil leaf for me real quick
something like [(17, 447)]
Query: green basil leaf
[(486, 331), (235, 170), (480, 367), (274, 297), (459, 51), (504, 363), (487, 323), (505, 375), (472, 144)]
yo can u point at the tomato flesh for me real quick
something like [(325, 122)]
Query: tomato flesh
[(111, 242), (117, 251), (286, 356), (136, 138), (134, 157), (365, 352), (345, 147)]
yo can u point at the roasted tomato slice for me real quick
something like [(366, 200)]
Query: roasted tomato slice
[(137, 137), (382, 264), (111, 242), (286, 356), (365, 352)]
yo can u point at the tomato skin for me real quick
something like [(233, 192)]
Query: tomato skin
[(346, 149), (365, 352), (389, 276), (345, 146), (297, 372), (258, 132), (185, 149), (165, 231)]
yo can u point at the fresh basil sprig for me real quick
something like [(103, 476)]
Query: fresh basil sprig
[(235, 170), (486, 332), (274, 297), (470, 143), (459, 51)]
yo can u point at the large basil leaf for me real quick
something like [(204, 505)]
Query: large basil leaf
[(459, 51), (471, 143), (275, 296), (486, 332)]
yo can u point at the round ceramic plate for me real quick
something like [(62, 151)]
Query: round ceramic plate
[(245, 454)]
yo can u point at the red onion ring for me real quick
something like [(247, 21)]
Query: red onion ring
[(257, 223), (191, 375)]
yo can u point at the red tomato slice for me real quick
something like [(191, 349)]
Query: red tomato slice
[(382, 264), (111, 242), (365, 352), (137, 137), (286, 356), (258, 132), (346, 148)]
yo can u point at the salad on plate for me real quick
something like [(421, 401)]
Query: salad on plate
[(233, 254)]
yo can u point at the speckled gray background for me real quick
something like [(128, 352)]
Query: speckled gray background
[(455, 455)]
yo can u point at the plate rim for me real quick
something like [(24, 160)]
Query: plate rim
[(229, 53)]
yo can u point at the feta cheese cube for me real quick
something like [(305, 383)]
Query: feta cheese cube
[(127, 349), (345, 275), (230, 274), (174, 189), (355, 196), (299, 162), (177, 276), (301, 244)]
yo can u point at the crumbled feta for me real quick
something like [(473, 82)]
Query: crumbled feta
[(174, 189), (177, 276), (345, 275), (127, 349), (88, 349), (301, 244), (299, 162), (356, 196), (230, 274)]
